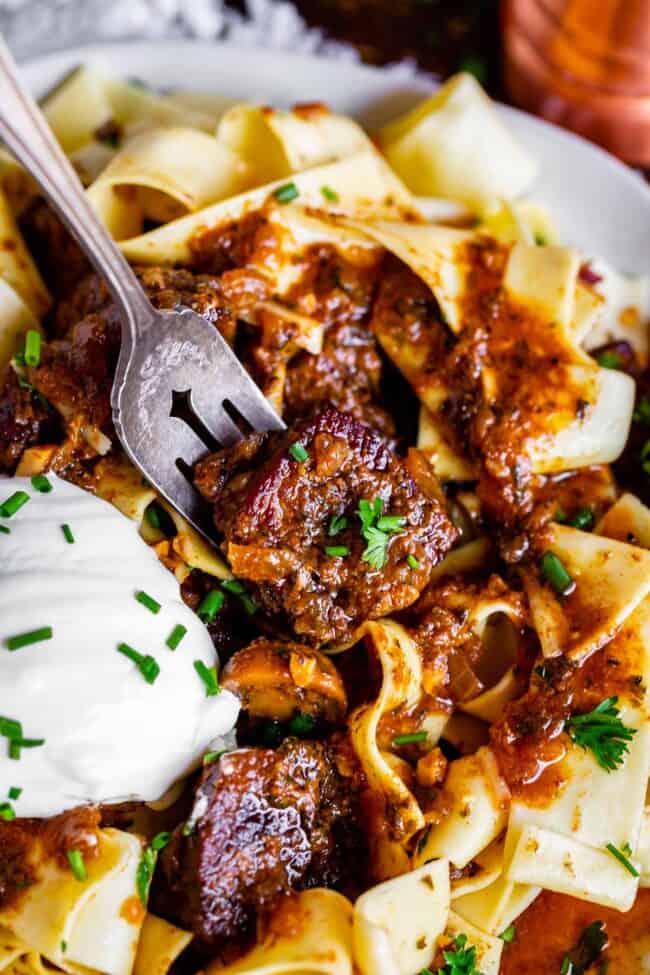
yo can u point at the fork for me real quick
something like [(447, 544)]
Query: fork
[(168, 357)]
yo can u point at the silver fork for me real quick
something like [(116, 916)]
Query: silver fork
[(166, 356)]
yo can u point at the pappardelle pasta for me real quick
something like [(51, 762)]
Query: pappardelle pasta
[(393, 718)]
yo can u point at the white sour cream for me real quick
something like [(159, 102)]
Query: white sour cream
[(109, 735)]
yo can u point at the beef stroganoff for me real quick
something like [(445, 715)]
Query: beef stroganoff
[(394, 720)]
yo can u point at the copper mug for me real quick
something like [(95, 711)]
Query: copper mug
[(584, 64)]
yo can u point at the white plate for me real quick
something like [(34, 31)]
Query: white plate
[(600, 205)]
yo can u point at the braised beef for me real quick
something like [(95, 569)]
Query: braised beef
[(275, 513), (264, 823), (24, 417)]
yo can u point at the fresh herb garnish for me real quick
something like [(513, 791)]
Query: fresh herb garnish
[(609, 360), (412, 562), (583, 519), (32, 353), (622, 858), (461, 960), (602, 731), (298, 452), (209, 677), (161, 520), (509, 934), (41, 484), (337, 551), (286, 193), (145, 663), (237, 588), (5, 530), (642, 411), (410, 739), (77, 865), (302, 724), (176, 635), (7, 812), (211, 605), (27, 639), (556, 574), (15, 792), (67, 534), (586, 952), (148, 602), (147, 865), (376, 529), (338, 523), (13, 504), (329, 194), (211, 757), (644, 457)]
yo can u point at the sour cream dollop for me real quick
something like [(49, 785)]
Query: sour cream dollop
[(109, 735)]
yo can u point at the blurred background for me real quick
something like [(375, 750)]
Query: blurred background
[(584, 64)]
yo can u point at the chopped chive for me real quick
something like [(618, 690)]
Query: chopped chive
[(234, 586), (211, 757), (249, 604), (412, 562), (28, 742), (67, 534), (211, 605), (609, 360), (556, 574), (338, 523), (298, 452), (337, 551), (15, 792), (286, 193), (41, 484), (509, 934), (391, 523), (642, 411), (145, 663), (148, 602), (176, 635), (583, 519), (77, 865), (622, 859), (32, 351), (26, 639), (7, 812), (644, 457), (160, 841), (64, 946), (329, 194), (302, 724), (13, 504), (411, 738), (5, 530), (209, 677), (161, 520)]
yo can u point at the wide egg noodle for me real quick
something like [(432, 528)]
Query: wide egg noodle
[(161, 174), (397, 923), (310, 933), (436, 148), (16, 319), (86, 916), (277, 143), (17, 267), (159, 946)]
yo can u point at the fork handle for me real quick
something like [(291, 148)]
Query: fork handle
[(30, 139)]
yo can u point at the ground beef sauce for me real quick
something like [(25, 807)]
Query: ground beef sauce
[(290, 809)]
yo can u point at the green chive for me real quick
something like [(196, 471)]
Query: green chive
[(622, 859), (26, 639), (286, 193), (160, 841), (298, 452), (161, 520), (583, 519), (609, 360), (148, 602), (329, 194), (13, 504), (5, 530), (413, 562), (555, 574), (209, 677), (146, 664), (7, 812), (10, 728), (234, 586), (64, 946), (41, 484), (302, 724), (509, 934), (32, 348), (249, 604), (337, 551), (15, 792), (77, 865), (644, 457), (540, 239), (211, 605), (176, 636), (411, 738), (338, 523), (391, 523), (642, 411), (210, 757), (67, 534)]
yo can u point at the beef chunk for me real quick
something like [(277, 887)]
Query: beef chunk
[(264, 823), (57, 254), (24, 419), (276, 515)]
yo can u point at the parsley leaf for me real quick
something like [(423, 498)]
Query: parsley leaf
[(587, 950), (376, 529), (460, 961), (602, 731)]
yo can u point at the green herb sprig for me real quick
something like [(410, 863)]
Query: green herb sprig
[(376, 529), (602, 732)]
